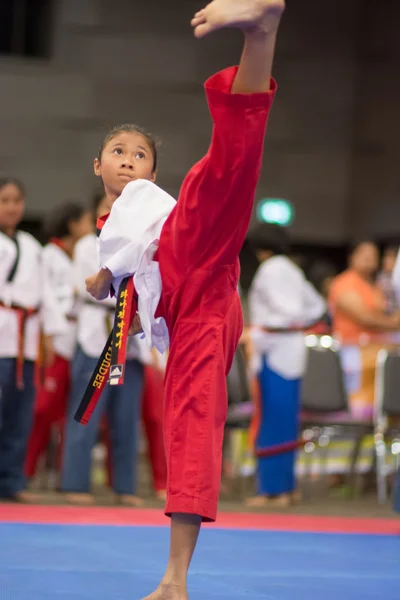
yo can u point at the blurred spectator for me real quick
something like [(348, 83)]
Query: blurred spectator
[(67, 225), (21, 297), (121, 404), (397, 493), (396, 277), (357, 302), (362, 326), (282, 305), (385, 279), (152, 414)]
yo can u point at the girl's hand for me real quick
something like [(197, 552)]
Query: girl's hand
[(98, 285), (136, 326)]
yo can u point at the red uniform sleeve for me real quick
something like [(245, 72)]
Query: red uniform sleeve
[(216, 199)]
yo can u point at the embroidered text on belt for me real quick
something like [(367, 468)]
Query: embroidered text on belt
[(23, 315), (111, 365)]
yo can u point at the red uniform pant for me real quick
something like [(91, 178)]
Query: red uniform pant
[(50, 409)]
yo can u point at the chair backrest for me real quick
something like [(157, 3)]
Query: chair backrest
[(387, 384), (237, 380), (323, 389)]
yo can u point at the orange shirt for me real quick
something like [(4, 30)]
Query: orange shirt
[(344, 327)]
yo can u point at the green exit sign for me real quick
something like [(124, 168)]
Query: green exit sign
[(275, 210)]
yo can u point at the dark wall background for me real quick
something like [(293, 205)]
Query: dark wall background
[(333, 139)]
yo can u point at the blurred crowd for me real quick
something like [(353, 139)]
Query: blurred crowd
[(52, 332)]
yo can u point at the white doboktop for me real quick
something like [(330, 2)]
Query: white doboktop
[(95, 319), (27, 289), (281, 297), (127, 244), (58, 276)]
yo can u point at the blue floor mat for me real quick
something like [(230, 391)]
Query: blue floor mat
[(57, 562)]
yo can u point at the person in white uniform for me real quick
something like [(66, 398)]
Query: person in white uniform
[(22, 294), (120, 404), (67, 225), (281, 303)]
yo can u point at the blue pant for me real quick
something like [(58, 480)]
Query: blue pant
[(16, 415), (397, 493), (121, 403), (279, 424)]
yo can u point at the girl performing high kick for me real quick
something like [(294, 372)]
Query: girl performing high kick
[(183, 257)]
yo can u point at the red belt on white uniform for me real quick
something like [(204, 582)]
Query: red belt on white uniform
[(23, 315)]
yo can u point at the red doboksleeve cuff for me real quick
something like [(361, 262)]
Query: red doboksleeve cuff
[(218, 91)]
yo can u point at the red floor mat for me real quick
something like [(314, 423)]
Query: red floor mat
[(17, 513)]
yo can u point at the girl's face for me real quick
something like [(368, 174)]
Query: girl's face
[(12, 205), (125, 158)]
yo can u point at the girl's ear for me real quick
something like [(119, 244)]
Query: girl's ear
[(97, 167)]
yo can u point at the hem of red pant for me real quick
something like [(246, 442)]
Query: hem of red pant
[(191, 505)]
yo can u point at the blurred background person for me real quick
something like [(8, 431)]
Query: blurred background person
[(21, 295), (397, 492), (385, 279), (121, 404), (361, 323), (152, 417), (66, 226), (281, 303), (362, 326)]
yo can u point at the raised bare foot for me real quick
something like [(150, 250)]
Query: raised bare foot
[(167, 591), (80, 499), (258, 15)]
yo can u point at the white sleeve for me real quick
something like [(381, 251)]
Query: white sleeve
[(134, 224), (84, 264), (52, 316), (272, 300), (396, 277), (314, 304), (278, 296)]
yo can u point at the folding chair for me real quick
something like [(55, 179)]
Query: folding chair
[(240, 406), (324, 402), (386, 413)]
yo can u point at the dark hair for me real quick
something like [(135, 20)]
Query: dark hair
[(268, 236), (131, 128), (59, 223), (12, 181), (356, 245), (391, 249)]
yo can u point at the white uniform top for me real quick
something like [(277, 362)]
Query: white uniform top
[(95, 319), (127, 244), (281, 297), (26, 289), (58, 276)]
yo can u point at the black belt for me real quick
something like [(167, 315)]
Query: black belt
[(111, 364)]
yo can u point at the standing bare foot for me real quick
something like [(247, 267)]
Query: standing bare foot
[(263, 15), (260, 501), (167, 591), (25, 497), (129, 500), (80, 499)]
